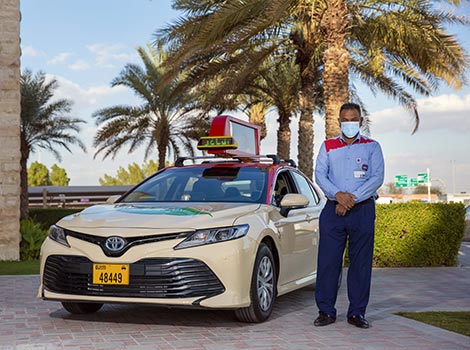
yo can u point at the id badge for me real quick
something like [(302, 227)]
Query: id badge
[(359, 173)]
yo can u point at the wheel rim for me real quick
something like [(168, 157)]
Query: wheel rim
[(265, 283)]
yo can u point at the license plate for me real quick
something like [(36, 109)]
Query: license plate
[(117, 274)]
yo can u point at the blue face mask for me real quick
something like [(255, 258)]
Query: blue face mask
[(350, 129)]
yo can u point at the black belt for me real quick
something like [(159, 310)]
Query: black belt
[(363, 202)]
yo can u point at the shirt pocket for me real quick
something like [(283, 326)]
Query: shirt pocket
[(362, 165)]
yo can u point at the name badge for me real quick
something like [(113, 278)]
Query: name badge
[(359, 173)]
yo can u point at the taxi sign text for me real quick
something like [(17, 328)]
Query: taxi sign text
[(220, 142)]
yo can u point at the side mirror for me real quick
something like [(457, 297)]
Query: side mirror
[(293, 201), (113, 199)]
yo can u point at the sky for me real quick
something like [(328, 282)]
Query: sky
[(85, 44)]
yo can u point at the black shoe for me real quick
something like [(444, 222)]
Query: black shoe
[(324, 319), (358, 321)]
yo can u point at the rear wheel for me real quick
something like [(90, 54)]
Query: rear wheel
[(263, 288), (81, 308)]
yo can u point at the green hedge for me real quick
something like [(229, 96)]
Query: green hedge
[(49, 216), (418, 234), (406, 235)]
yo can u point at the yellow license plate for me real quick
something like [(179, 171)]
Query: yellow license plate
[(117, 274)]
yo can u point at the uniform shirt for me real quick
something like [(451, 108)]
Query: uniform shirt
[(357, 168)]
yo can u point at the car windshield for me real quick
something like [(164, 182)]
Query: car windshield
[(203, 184)]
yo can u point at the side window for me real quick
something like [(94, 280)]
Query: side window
[(282, 186), (305, 189)]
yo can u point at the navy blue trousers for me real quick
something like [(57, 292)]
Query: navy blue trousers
[(357, 226)]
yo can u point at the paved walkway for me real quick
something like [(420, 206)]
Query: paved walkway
[(28, 323)]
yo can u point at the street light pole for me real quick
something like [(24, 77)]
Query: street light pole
[(429, 186), (453, 176)]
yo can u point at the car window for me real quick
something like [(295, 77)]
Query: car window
[(305, 188), (282, 186), (203, 184)]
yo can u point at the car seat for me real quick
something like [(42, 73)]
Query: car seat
[(206, 190), (232, 193)]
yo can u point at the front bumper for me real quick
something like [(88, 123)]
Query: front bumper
[(213, 276)]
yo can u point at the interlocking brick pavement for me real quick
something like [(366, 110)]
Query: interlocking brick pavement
[(27, 323)]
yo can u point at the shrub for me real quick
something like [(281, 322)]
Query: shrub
[(32, 236), (49, 216), (418, 234)]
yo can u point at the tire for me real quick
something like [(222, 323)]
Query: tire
[(81, 308), (263, 288)]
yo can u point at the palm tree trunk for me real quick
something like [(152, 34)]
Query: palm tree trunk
[(24, 201), (161, 148), (336, 64), (306, 134), (283, 135), (257, 116), (305, 54)]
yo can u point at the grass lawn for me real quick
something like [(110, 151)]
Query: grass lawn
[(19, 267), (458, 322)]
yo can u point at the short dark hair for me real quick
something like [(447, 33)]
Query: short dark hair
[(351, 105)]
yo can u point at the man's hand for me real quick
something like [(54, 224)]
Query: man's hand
[(340, 210), (347, 200)]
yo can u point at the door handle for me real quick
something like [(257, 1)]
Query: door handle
[(310, 217)]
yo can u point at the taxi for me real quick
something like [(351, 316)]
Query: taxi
[(228, 230)]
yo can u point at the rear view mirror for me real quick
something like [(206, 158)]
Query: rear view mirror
[(113, 199), (293, 201)]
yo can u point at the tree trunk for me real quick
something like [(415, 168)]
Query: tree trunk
[(161, 148), (24, 200), (336, 59), (305, 54), (306, 134), (257, 116), (283, 135), (162, 135)]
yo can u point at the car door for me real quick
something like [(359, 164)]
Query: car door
[(309, 229), (296, 233)]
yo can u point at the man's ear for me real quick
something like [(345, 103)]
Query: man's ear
[(361, 119)]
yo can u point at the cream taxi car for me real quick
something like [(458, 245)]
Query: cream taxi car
[(229, 234)]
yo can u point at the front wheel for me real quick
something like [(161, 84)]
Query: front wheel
[(81, 308), (263, 288)]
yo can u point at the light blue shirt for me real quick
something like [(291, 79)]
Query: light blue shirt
[(357, 168)]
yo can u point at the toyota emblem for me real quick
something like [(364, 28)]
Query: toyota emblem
[(115, 244)]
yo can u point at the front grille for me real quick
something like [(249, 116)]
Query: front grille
[(131, 241), (149, 278)]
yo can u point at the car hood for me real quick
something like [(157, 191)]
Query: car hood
[(157, 217)]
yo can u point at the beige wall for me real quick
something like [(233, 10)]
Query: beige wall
[(9, 129)]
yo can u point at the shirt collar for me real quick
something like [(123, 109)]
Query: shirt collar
[(357, 139)]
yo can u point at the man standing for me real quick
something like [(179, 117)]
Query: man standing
[(349, 169)]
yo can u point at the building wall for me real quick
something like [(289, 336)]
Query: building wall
[(9, 129)]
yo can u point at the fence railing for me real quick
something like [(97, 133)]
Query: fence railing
[(72, 196)]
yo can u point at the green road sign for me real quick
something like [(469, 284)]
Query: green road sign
[(401, 181), (413, 182), (423, 178)]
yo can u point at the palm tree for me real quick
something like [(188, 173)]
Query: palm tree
[(323, 35), (44, 124), (275, 84), (160, 122), (280, 82), (405, 39)]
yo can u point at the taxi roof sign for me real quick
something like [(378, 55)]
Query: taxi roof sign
[(245, 137)]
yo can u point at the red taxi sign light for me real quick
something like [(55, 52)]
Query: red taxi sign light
[(217, 142), (245, 137)]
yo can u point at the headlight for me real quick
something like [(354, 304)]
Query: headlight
[(215, 235), (57, 234)]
